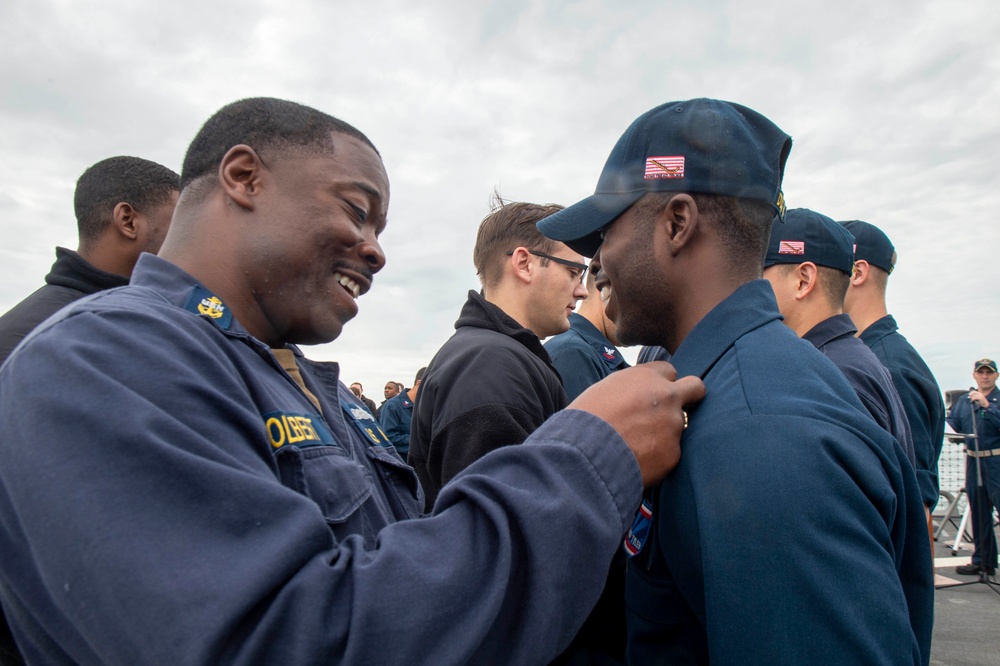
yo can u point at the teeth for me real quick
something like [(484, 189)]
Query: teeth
[(606, 293), (348, 283)]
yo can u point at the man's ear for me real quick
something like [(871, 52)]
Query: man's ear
[(861, 272), (240, 174), (522, 264), (806, 279), (679, 220), (126, 220)]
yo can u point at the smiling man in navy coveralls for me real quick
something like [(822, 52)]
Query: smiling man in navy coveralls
[(179, 485), (792, 531)]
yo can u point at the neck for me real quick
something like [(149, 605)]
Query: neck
[(193, 245), (694, 300), (110, 260), (592, 309), (514, 305), (809, 316), (866, 312)]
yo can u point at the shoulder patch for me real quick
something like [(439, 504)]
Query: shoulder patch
[(366, 425)]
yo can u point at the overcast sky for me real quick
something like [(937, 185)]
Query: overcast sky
[(893, 107)]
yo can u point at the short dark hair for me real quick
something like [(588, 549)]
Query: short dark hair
[(420, 374), (265, 124), (835, 283), (508, 226), (880, 276), (744, 226), (142, 184)]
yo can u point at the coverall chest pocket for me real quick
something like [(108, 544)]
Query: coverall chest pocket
[(400, 479), (327, 476)]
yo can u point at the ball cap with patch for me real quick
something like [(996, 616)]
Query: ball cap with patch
[(699, 146), (806, 235), (986, 363), (871, 244)]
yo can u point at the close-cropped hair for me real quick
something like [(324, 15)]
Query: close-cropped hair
[(142, 184), (833, 283), (510, 225), (880, 276), (743, 226), (269, 126)]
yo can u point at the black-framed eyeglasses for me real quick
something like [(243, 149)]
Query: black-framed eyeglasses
[(565, 262)]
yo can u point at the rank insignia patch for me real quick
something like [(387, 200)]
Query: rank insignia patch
[(205, 303)]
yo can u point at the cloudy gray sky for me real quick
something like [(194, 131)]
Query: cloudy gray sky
[(892, 106)]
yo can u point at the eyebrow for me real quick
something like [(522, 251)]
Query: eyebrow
[(368, 189)]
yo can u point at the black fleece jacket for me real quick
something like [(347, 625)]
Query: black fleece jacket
[(70, 279), (490, 385)]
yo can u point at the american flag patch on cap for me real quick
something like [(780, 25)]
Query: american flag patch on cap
[(792, 247), (664, 167)]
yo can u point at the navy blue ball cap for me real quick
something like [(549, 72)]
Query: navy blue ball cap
[(871, 245), (806, 235), (986, 363), (700, 146)]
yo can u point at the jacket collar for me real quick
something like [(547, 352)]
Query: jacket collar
[(480, 313), (749, 307), (73, 271), (828, 330)]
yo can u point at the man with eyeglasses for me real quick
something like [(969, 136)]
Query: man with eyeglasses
[(492, 383)]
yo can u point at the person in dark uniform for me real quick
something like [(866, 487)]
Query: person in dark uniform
[(978, 412), (681, 216), (874, 259), (808, 263), (587, 352), (396, 414), (181, 485)]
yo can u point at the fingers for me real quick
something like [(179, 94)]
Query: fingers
[(690, 389), (661, 367)]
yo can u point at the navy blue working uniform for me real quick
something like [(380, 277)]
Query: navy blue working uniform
[(204, 510), (921, 398), (792, 531), (866, 375), (653, 353), (583, 355), (983, 494), (395, 421)]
